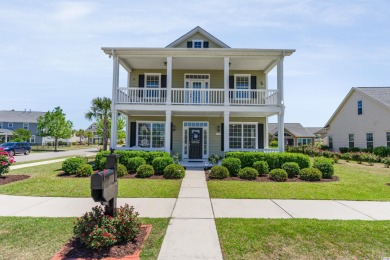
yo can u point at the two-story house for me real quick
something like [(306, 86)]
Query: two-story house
[(361, 120), (11, 120), (197, 96)]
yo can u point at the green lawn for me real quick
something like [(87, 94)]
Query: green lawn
[(45, 183), (357, 182), (41, 238), (303, 239)]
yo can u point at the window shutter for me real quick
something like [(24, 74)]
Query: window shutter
[(231, 86), (222, 137), (141, 81), (260, 136), (133, 133), (189, 44), (171, 136), (163, 81), (253, 86), (205, 44)]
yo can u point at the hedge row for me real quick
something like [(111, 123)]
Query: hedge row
[(274, 160)]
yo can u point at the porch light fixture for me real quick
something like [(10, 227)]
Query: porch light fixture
[(218, 129), (173, 128), (261, 82), (165, 63)]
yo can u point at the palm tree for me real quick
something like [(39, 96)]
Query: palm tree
[(101, 111), (81, 134)]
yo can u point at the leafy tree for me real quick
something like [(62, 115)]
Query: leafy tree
[(101, 111), (81, 134), (121, 123), (22, 135), (55, 125), (89, 135)]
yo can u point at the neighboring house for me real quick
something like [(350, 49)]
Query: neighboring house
[(11, 120), (96, 138), (294, 134), (319, 133), (362, 119), (197, 96)]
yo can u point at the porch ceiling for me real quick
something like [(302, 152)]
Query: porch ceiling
[(205, 59)]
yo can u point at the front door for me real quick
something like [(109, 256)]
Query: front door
[(195, 142)]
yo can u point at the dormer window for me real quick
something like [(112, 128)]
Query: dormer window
[(197, 44)]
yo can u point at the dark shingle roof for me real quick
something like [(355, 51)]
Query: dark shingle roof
[(20, 116), (295, 129), (381, 94)]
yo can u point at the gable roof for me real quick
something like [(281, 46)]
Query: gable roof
[(20, 116), (380, 95), (200, 30), (296, 129), (315, 130)]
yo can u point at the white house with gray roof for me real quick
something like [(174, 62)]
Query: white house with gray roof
[(11, 120), (361, 120), (197, 96)]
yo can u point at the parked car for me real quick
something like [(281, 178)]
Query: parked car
[(16, 147)]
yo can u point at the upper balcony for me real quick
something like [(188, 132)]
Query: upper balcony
[(190, 96)]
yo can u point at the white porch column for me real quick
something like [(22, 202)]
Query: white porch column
[(127, 131), (280, 82), (168, 121), (115, 85), (266, 137), (281, 131), (128, 79), (226, 79), (169, 80), (226, 121)]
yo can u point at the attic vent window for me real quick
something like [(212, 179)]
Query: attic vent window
[(197, 44)]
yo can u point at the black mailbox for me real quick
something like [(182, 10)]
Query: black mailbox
[(104, 184)]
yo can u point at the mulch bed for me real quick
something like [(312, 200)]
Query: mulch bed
[(127, 176), (76, 250), (267, 179), (12, 178)]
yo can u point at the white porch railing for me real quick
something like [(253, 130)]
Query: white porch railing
[(190, 96), (185, 96)]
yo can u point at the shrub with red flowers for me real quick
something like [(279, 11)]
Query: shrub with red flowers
[(5, 161), (96, 230)]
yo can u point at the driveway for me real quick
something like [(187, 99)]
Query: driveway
[(50, 155)]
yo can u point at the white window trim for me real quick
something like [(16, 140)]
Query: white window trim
[(149, 122), (358, 107), (370, 141), (235, 86), (152, 74), (32, 138), (242, 136), (387, 141), (201, 44), (204, 156), (27, 124), (11, 125)]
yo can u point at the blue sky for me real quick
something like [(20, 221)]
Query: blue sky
[(50, 50)]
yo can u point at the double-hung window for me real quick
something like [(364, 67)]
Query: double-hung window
[(241, 85), (351, 140), (370, 140), (242, 136), (10, 125), (152, 85), (330, 139), (388, 139), (25, 126), (151, 134), (360, 107)]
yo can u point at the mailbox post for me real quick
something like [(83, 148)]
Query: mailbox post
[(104, 184)]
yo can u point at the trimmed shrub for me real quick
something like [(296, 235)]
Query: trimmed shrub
[(358, 157), (248, 173), (134, 162), (354, 149), (121, 170), (370, 158), (84, 170), (292, 169), (160, 163), (174, 171), (70, 165), (233, 165), (278, 175), (344, 149), (346, 156), (325, 165), (96, 230), (261, 167), (219, 172), (274, 160), (336, 157), (144, 171), (381, 151), (386, 162), (310, 174)]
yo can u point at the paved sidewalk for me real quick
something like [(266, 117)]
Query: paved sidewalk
[(53, 155), (14, 167)]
